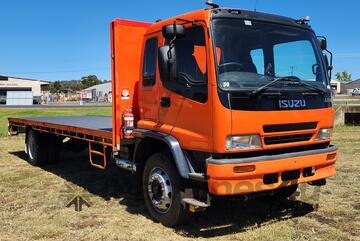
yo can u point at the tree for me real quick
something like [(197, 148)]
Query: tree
[(90, 80), (74, 85), (77, 87), (343, 76), (55, 87)]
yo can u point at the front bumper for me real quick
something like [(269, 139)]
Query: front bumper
[(222, 180)]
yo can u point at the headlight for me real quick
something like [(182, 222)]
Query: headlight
[(324, 134), (243, 142)]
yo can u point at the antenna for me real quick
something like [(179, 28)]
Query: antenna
[(292, 68), (211, 4)]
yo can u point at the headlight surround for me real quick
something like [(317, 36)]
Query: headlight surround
[(324, 134), (243, 142)]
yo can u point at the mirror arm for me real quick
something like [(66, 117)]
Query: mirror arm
[(330, 68), (171, 43), (193, 22), (171, 46)]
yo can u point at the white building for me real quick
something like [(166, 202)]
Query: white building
[(100, 93), (337, 87), (20, 91)]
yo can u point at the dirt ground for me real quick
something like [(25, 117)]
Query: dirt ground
[(33, 204)]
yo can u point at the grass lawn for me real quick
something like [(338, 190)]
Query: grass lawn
[(33, 203), (33, 112)]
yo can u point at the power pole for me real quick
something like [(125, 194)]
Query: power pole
[(292, 68)]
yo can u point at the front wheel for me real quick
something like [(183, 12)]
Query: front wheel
[(162, 191)]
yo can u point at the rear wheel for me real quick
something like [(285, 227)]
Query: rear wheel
[(42, 148), (34, 148), (162, 191)]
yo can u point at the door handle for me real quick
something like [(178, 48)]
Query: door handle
[(165, 102)]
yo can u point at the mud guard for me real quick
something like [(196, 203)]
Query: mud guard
[(174, 146)]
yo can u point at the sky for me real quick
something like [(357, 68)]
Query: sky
[(68, 39)]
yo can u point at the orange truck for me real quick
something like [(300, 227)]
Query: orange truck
[(215, 102)]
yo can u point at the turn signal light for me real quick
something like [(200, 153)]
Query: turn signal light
[(243, 169), (330, 156)]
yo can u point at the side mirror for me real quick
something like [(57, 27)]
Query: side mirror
[(323, 43), (167, 64), (173, 30)]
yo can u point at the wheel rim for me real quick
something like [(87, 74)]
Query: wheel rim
[(160, 190), (30, 146)]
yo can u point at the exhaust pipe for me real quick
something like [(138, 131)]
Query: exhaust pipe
[(126, 165)]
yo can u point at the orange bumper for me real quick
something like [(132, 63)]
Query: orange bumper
[(222, 180)]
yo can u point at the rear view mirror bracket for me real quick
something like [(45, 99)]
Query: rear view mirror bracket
[(167, 54), (323, 47)]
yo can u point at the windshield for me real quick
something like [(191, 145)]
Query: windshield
[(249, 54)]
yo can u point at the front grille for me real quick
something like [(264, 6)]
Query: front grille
[(274, 140), (289, 127)]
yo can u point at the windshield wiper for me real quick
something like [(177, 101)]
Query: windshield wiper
[(265, 87), (317, 89), (275, 80)]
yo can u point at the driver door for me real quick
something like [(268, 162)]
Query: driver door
[(185, 106)]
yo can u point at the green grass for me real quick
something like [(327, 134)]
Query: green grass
[(347, 98), (5, 113), (33, 205)]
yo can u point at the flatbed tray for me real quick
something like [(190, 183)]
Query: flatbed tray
[(90, 128)]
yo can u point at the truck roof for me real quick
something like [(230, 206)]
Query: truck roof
[(254, 15), (231, 13)]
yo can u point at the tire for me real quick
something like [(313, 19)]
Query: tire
[(285, 192), (167, 209), (41, 148), (34, 149)]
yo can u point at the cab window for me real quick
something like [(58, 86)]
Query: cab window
[(149, 67), (191, 60), (257, 56)]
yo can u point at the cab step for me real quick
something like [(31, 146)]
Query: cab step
[(197, 176), (196, 203)]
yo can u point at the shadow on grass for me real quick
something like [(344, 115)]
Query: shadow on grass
[(232, 216), (222, 218)]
